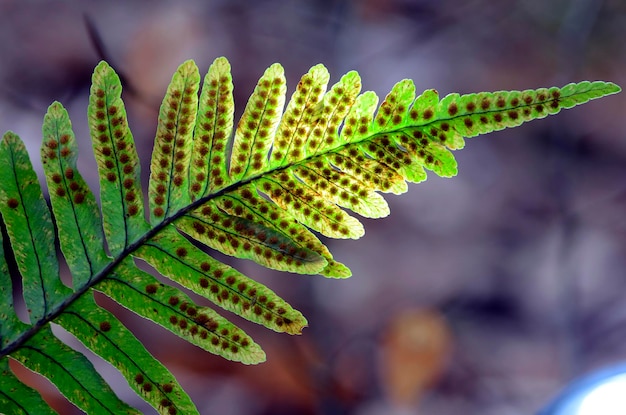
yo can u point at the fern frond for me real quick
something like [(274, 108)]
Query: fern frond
[(258, 191)]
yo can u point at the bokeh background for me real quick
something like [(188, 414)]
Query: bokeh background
[(484, 294)]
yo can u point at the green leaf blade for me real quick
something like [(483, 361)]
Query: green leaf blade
[(30, 230), (74, 205), (245, 205), (318, 213), (243, 238), (214, 127), (176, 312), (256, 129), (335, 105), (105, 335), (297, 120), (17, 398), (71, 373), (575, 94), (10, 324), (118, 163), (169, 168), (176, 258), (359, 121)]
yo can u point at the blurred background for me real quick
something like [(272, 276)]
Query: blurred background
[(485, 294)]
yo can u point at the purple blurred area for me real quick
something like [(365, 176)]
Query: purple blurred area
[(519, 262)]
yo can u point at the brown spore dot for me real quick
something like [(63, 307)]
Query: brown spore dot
[(515, 102), (218, 273), (191, 311), (497, 117), (201, 319), (173, 319), (428, 114), (485, 103), (60, 191), (124, 158), (215, 341), (139, 378), (128, 183), (65, 152), (168, 388), (52, 144), (172, 411), (181, 252), (453, 109), (147, 387), (105, 326), (151, 288), (500, 102), (182, 324), (513, 115), (79, 198), (13, 203), (165, 402), (183, 306), (65, 138), (468, 122), (204, 283), (539, 108), (205, 266), (111, 176), (173, 300), (211, 325), (230, 280)]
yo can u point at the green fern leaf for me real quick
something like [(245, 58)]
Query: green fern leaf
[(71, 372), (118, 164), (102, 333), (17, 398), (213, 130), (74, 205), (169, 168), (257, 191), (29, 226), (175, 257)]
